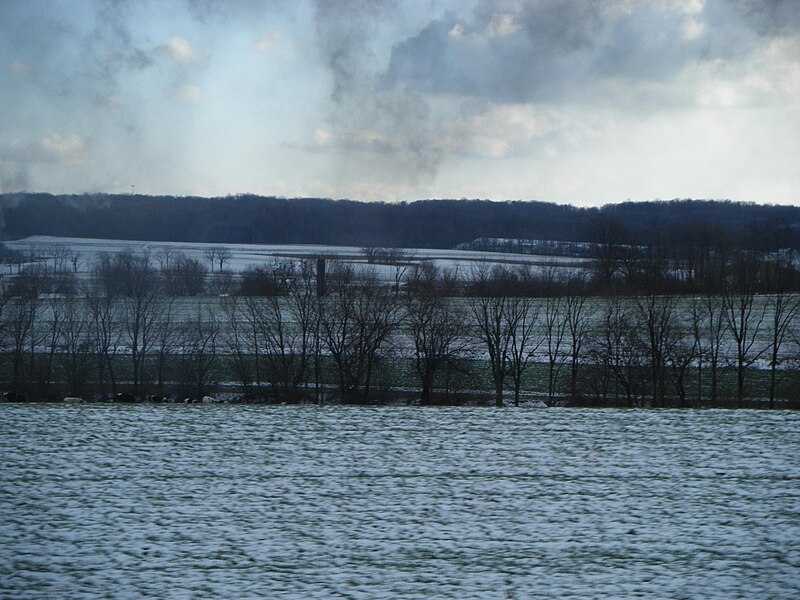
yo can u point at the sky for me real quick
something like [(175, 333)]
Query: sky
[(572, 101)]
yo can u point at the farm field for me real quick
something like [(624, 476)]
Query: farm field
[(559, 361), (184, 311), (208, 499), (463, 262), (468, 379)]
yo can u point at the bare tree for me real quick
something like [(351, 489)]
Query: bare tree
[(396, 257), (600, 360), (166, 333), (166, 258), (184, 276), (262, 280), (75, 345), (76, 261), (106, 335), (48, 339), (223, 256), (681, 350), (521, 317), (199, 352), (554, 329), (241, 343), (356, 323), (656, 316), (371, 254), (623, 348), (436, 326), (59, 254), (399, 259), (24, 331), (708, 327), (132, 282), (578, 326), (223, 283), (9, 256), (609, 237), (5, 327), (490, 317), (784, 309), (286, 326), (22, 312), (38, 278), (140, 316), (210, 255), (217, 255), (744, 318)]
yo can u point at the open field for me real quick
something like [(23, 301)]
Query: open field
[(463, 262), (288, 501), (612, 351), (466, 379), (184, 311)]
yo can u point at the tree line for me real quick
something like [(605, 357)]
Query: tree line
[(422, 223), (588, 336)]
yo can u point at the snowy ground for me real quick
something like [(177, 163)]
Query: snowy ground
[(464, 263), (308, 502), (243, 255)]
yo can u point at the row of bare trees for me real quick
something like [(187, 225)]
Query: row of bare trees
[(646, 349), (54, 268), (694, 259), (118, 332), (122, 331)]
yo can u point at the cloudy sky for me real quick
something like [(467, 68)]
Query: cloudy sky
[(576, 101)]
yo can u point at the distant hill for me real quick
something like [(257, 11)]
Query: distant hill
[(423, 223)]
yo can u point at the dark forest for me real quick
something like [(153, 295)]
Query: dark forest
[(423, 223)]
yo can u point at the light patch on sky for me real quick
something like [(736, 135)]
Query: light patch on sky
[(179, 49), (570, 101)]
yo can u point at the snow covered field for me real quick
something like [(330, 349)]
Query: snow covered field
[(308, 502), (244, 255)]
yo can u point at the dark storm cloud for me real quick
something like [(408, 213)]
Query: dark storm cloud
[(14, 178), (110, 48), (69, 62), (209, 11), (87, 48), (764, 17), (69, 59), (555, 51), (344, 33), (365, 114)]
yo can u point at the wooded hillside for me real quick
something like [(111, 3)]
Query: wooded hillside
[(423, 223)]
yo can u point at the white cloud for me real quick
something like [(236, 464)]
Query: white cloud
[(179, 49), (267, 40), (323, 137), (769, 77), (69, 150), (190, 93), (110, 100), (502, 25), (19, 67), (720, 94), (692, 28), (361, 140), (497, 132), (683, 7), (494, 132), (456, 32), (689, 7)]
